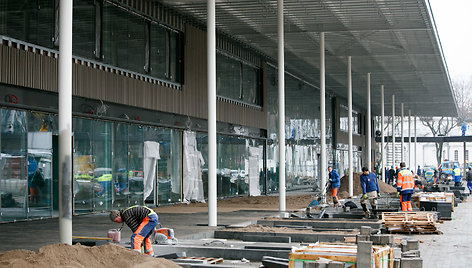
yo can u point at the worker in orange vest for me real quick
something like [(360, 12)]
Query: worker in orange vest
[(405, 186)]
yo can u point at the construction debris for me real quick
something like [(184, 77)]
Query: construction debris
[(411, 222), (382, 256)]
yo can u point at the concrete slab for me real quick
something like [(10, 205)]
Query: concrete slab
[(296, 237)]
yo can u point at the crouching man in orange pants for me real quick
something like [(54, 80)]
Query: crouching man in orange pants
[(141, 220)]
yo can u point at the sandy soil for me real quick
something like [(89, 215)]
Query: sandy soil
[(62, 255), (267, 229), (242, 203), (344, 189)]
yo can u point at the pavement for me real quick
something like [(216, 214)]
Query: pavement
[(34, 234), (453, 248)]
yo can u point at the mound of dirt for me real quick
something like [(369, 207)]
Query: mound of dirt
[(63, 255), (344, 189)]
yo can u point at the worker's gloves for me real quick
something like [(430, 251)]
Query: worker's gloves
[(364, 196), (398, 194), (330, 179), (378, 194)]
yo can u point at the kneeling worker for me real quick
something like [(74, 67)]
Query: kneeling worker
[(141, 220), (370, 190)]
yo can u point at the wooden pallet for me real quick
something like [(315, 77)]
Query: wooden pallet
[(209, 260), (411, 222)]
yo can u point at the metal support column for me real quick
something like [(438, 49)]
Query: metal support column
[(415, 143), (349, 100), (368, 124), (281, 76), (465, 161), (409, 140), (382, 146), (211, 58), (323, 113), (65, 122), (393, 131), (402, 150)]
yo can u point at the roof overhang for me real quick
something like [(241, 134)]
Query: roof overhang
[(394, 40)]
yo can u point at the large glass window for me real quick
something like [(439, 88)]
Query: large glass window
[(16, 173), (238, 81), (83, 28), (135, 165), (120, 165), (84, 165), (40, 157), (102, 173), (27, 20), (124, 38)]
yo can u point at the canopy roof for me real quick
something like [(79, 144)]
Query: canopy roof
[(395, 40)]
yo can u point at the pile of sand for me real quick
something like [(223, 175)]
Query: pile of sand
[(344, 189), (63, 255)]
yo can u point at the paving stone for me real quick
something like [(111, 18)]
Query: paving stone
[(364, 254), (366, 230), (411, 263), (382, 239), (362, 238), (411, 254)]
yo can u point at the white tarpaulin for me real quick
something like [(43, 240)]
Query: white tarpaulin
[(253, 170), (151, 155), (193, 163)]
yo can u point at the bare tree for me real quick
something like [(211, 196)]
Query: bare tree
[(461, 90), (439, 126)]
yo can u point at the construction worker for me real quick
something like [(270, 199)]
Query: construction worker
[(469, 179), (405, 186), (391, 175), (335, 182), (370, 190), (142, 221), (457, 176), (435, 176)]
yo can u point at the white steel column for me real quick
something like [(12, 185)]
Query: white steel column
[(323, 114), (382, 146), (368, 123), (281, 75), (393, 131), (349, 94), (409, 141), (415, 144), (402, 150), (211, 69), (65, 122)]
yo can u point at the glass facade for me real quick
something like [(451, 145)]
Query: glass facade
[(238, 81), (101, 31), (30, 21), (109, 165), (302, 133)]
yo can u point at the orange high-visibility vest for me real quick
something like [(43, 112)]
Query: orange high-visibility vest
[(405, 180)]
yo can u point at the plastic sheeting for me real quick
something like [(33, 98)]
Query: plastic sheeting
[(193, 163), (151, 155), (253, 170)]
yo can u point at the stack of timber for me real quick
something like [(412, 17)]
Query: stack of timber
[(411, 222), (382, 256)]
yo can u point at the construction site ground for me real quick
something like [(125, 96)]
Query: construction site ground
[(189, 222)]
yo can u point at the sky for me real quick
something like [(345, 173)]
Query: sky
[(454, 24)]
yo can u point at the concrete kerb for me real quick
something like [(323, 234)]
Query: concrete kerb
[(296, 237)]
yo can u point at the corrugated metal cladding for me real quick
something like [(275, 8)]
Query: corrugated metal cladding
[(30, 69), (154, 10)]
